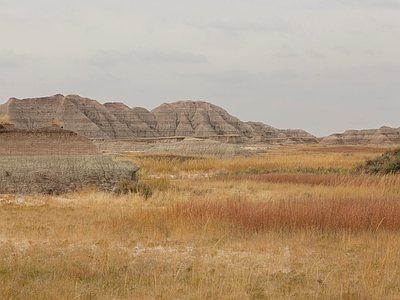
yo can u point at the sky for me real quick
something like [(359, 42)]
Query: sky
[(323, 66)]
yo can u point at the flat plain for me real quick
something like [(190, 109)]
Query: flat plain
[(292, 222)]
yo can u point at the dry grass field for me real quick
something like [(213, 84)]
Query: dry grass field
[(294, 222)]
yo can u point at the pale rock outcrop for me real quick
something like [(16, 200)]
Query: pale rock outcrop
[(382, 136)]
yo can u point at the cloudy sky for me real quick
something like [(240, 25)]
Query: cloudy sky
[(324, 66)]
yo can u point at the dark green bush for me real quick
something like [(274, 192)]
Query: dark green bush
[(387, 163)]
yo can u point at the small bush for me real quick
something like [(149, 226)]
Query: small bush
[(387, 163), (126, 187)]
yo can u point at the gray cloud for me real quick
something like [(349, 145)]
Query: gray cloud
[(316, 54), (373, 3), (111, 59), (10, 59), (342, 50), (168, 56), (234, 27), (286, 51)]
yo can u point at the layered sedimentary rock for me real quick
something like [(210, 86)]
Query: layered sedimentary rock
[(197, 118), (268, 134), (54, 160), (117, 121), (382, 136), (139, 121), (51, 140)]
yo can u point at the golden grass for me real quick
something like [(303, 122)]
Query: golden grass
[(5, 120), (208, 234), (276, 158)]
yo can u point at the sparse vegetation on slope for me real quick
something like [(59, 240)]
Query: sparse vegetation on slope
[(60, 174)]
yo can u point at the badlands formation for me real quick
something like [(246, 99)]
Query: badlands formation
[(383, 136), (110, 121), (115, 126)]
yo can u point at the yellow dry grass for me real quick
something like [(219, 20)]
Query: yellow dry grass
[(211, 232), (276, 158), (4, 120)]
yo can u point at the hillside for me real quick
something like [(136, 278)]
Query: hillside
[(51, 140), (382, 136), (109, 121)]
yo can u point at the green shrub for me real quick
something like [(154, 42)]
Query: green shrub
[(387, 163)]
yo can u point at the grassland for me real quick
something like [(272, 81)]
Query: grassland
[(291, 223)]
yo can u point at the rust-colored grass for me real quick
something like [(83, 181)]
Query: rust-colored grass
[(330, 215), (317, 179)]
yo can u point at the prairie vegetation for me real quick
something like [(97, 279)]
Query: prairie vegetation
[(291, 223), (387, 163), (5, 120)]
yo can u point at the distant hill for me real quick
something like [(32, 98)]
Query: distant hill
[(382, 136), (89, 118)]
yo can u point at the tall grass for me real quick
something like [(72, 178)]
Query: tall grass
[(330, 215), (97, 246), (317, 179)]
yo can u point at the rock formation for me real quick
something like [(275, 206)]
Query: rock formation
[(54, 160), (268, 134), (382, 136), (51, 140), (89, 118), (197, 118)]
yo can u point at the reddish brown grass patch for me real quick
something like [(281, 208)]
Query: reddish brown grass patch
[(315, 179), (325, 215)]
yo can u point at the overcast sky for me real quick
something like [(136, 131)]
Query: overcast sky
[(323, 66)]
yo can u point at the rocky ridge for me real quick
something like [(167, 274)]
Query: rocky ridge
[(382, 136), (110, 121)]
